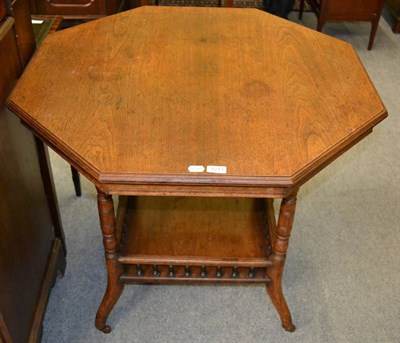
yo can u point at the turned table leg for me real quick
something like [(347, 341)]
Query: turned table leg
[(114, 268), (279, 249)]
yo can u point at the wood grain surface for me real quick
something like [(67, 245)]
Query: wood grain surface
[(138, 97)]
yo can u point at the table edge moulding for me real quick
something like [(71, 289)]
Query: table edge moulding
[(235, 237), (124, 184)]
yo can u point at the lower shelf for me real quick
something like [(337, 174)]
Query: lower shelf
[(195, 240)]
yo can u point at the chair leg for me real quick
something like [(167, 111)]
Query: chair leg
[(301, 9), (77, 181), (374, 28), (320, 24)]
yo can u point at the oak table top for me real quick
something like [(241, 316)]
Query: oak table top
[(140, 96), (189, 103)]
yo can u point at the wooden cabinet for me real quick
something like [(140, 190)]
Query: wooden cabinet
[(76, 9), (346, 10), (31, 238)]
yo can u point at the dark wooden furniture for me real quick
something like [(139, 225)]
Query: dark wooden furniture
[(31, 239), (394, 8), (134, 3), (3, 9), (199, 118), (76, 9), (346, 10), (19, 10)]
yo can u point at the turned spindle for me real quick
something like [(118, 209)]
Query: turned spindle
[(187, 271), (235, 272), (252, 273), (156, 272)]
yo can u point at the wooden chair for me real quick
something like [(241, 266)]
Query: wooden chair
[(346, 10), (77, 182)]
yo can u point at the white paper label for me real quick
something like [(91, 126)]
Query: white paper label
[(216, 169), (196, 169), (37, 21)]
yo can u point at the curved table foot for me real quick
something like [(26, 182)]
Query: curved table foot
[(113, 292), (106, 329), (278, 299), (292, 328)]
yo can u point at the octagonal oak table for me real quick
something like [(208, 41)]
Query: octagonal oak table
[(198, 118)]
